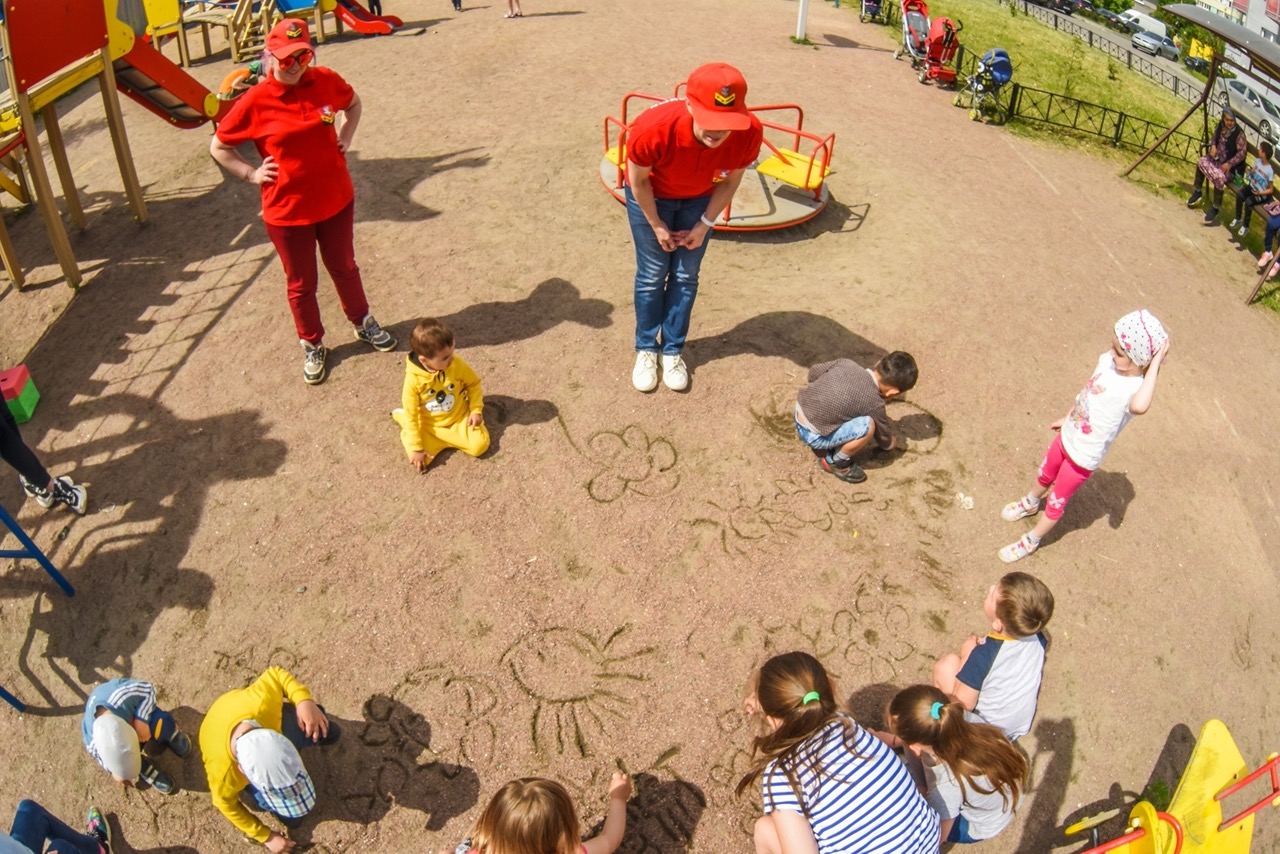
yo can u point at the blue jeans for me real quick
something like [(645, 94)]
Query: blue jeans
[(1268, 241), (666, 282), (33, 825), (854, 428), (960, 832)]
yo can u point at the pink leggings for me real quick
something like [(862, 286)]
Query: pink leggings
[(296, 245), (1063, 474)]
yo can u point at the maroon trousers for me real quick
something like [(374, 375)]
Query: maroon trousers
[(296, 245)]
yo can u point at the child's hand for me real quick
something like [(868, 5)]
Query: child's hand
[(1160, 354), (419, 460), (1057, 425), (475, 419), (619, 786)]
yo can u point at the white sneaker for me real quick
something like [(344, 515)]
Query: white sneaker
[(644, 376), (675, 375), (1020, 509), (1244, 229), (1233, 223)]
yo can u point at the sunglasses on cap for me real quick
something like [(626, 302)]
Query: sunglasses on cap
[(302, 58)]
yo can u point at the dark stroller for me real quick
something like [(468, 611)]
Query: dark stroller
[(993, 71), (940, 52), (874, 10)]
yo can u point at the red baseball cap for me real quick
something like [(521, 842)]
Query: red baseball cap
[(287, 37), (717, 94)]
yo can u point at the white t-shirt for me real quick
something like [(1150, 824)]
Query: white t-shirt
[(1100, 413), (987, 815), (1006, 673), (864, 802)]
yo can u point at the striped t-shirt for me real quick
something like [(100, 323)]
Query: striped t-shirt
[(864, 802)]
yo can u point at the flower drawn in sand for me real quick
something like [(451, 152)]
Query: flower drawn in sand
[(870, 641), (632, 462), (577, 683)]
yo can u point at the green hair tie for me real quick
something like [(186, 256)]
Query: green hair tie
[(811, 697)]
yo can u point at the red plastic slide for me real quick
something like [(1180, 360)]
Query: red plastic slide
[(360, 19)]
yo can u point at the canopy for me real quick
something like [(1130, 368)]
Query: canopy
[(1264, 55)]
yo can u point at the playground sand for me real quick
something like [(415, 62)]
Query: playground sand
[(593, 593)]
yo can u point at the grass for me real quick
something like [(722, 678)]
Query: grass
[(1056, 61)]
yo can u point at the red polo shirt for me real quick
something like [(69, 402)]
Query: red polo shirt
[(662, 139), (295, 125)]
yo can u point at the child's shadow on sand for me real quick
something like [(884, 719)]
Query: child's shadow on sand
[(1104, 495), (661, 816)]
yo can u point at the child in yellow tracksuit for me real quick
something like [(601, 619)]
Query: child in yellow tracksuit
[(442, 404)]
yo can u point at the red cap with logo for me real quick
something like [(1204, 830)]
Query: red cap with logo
[(717, 94), (287, 37)]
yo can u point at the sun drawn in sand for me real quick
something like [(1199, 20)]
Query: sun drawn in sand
[(578, 684)]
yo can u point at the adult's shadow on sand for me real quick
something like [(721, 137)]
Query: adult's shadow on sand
[(502, 411), (801, 336), (376, 764), (551, 303), (662, 816), (1051, 769)]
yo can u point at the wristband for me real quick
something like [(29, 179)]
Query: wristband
[(708, 223)]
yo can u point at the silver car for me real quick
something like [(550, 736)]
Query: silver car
[(1253, 107), (1155, 45)]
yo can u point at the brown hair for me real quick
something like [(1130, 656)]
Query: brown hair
[(970, 750), (430, 338), (531, 815), (1023, 604), (781, 686), (898, 370)]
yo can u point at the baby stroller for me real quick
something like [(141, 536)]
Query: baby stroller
[(940, 52), (915, 31), (873, 10), (994, 70)]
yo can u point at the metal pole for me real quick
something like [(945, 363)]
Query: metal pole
[(802, 19)]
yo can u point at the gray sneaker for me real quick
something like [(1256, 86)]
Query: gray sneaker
[(42, 496), (374, 335), (68, 493), (313, 370)]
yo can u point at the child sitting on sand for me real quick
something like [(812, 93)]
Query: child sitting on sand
[(536, 814), (442, 404)]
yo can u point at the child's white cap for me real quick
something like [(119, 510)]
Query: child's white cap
[(1141, 335), (116, 742)]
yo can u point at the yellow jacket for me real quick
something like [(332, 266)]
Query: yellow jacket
[(263, 702), (436, 398)]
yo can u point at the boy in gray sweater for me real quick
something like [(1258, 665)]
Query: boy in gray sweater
[(841, 411)]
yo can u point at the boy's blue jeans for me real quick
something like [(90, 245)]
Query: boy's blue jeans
[(1269, 240), (33, 825), (666, 282)]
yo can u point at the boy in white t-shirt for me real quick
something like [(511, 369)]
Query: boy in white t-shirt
[(1122, 386)]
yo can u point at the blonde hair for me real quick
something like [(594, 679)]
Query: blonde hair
[(970, 750), (781, 687), (531, 815), (1023, 604)]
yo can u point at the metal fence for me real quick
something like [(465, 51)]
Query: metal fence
[(1120, 129), (1121, 51)]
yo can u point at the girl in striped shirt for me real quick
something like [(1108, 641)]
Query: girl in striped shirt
[(829, 786)]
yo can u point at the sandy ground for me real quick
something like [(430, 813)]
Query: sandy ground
[(594, 593)]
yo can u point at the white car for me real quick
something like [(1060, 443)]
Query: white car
[(1253, 106)]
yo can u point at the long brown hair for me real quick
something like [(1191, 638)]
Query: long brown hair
[(531, 815), (781, 687), (970, 750)]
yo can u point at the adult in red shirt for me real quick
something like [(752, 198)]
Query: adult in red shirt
[(291, 117), (685, 159)]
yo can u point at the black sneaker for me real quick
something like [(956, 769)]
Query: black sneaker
[(68, 493), (97, 827), (1211, 214), (1195, 197), (374, 335), (180, 744), (313, 370), (846, 471), (157, 779), (42, 496)]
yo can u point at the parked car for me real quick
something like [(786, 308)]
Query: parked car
[(1155, 45), (1064, 6), (1085, 6), (1112, 20), (1253, 107), (1196, 63)]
